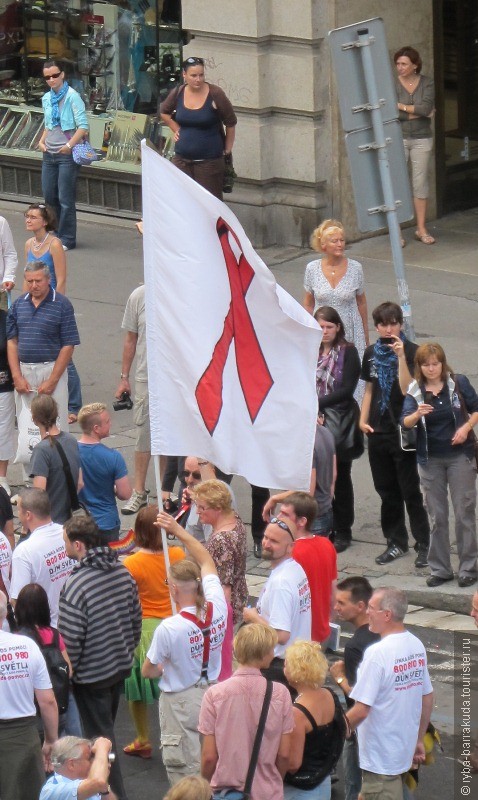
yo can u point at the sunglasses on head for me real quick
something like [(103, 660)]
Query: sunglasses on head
[(189, 62), (187, 472), (283, 526)]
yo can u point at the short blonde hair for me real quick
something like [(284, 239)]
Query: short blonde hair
[(215, 494), (253, 642), (326, 229), (306, 664), (190, 788), (88, 416)]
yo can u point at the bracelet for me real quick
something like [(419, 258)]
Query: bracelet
[(68, 145), (124, 377)]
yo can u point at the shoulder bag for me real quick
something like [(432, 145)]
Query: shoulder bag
[(244, 794), (77, 508), (471, 439), (344, 427)]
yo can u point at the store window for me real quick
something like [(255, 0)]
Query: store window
[(123, 57)]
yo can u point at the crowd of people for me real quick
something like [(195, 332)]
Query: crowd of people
[(80, 626)]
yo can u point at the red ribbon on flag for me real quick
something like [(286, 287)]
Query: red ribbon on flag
[(254, 375)]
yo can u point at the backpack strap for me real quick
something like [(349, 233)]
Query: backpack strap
[(205, 628)]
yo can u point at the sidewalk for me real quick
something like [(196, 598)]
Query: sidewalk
[(443, 282)]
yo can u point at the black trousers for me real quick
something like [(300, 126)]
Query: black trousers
[(395, 477), (259, 497), (98, 709), (343, 502)]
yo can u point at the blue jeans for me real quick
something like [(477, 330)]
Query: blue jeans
[(58, 179), (75, 400), (322, 526), (321, 792), (352, 771)]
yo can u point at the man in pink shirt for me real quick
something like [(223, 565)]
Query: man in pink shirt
[(235, 706)]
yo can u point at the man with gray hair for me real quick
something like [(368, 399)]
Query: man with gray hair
[(42, 334), (81, 770), (42, 557), (24, 678), (393, 699)]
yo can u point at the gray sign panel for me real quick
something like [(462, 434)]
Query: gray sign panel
[(350, 75), (366, 178)]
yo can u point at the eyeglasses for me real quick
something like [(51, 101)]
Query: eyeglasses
[(187, 472), (31, 217), (283, 526), (193, 60), (52, 77)]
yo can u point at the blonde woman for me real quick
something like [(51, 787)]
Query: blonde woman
[(319, 732), (227, 545), (191, 788), (337, 281)]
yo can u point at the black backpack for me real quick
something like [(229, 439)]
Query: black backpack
[(58, 669)]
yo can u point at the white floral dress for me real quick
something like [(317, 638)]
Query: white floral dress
[(344, 299)]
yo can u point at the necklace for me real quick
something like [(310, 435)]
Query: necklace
[(38, 245)]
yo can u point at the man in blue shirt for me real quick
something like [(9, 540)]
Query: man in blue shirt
[(81, 770), (42, 334), (105, 474)]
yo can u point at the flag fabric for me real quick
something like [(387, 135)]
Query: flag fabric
[(231, 356)]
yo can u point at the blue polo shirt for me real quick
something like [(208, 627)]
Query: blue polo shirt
[(58, 787), (42, 331)]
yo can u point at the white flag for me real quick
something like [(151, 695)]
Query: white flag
[(231, 356)]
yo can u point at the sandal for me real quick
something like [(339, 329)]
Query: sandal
[(72, 418), (425, 238), (137, 749), (402, 242)]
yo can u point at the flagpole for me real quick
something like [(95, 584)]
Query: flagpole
[(157, 478)]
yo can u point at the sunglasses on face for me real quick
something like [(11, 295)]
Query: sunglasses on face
[(187, 472), (52, 77), (283, 526)]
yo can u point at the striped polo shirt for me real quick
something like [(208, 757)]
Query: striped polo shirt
[(43, 330)]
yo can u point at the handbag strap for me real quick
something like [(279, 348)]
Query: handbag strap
[(258, 739), (74, 502)]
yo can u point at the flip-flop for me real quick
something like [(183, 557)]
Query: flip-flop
[(425, 238)]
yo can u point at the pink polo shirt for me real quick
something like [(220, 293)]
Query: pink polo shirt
[(230, 712)]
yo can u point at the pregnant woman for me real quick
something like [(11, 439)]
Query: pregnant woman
[(203, 123)]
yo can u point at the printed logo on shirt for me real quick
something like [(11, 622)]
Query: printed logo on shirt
[(13, 662), (304, 596), (5, 554), (58, 564), (409, 671), (196, 638)]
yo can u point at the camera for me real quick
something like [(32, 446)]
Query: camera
[(124, 403)]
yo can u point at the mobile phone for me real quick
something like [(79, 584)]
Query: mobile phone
[(428, 398), (387, 340)]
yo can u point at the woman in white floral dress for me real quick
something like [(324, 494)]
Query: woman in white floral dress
[(337, 281)]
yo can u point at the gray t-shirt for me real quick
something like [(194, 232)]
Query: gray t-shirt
[(46, 462), (323, 463)]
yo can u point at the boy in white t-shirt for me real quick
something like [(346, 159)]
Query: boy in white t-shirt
[(186, 652)]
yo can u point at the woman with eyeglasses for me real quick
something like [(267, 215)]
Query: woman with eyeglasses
[(45, 246), (148, 568), (65, 125), (203, 122), (337, 281), (227, 545)]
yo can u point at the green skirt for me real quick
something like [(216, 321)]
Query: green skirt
[(136, 688)]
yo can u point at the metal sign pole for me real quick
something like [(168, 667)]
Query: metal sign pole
[(389, 207)]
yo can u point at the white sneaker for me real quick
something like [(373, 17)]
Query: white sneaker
[(137, 500), (4, 483)]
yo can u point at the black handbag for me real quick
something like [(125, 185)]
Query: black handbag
[(78, 509), (244, 794), (343, 423)]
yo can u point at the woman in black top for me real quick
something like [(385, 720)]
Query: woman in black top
[(319, 733), (338, 371), (203, 123)]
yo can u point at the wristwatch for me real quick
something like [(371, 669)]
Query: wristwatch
[(124, 377)]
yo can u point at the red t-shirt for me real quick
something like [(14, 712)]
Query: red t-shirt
[(318, 559)]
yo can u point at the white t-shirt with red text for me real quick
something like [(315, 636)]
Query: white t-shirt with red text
[(285, 603), (22, 670), (42, 559), (5, 560), (392, 679), (178, 643)]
